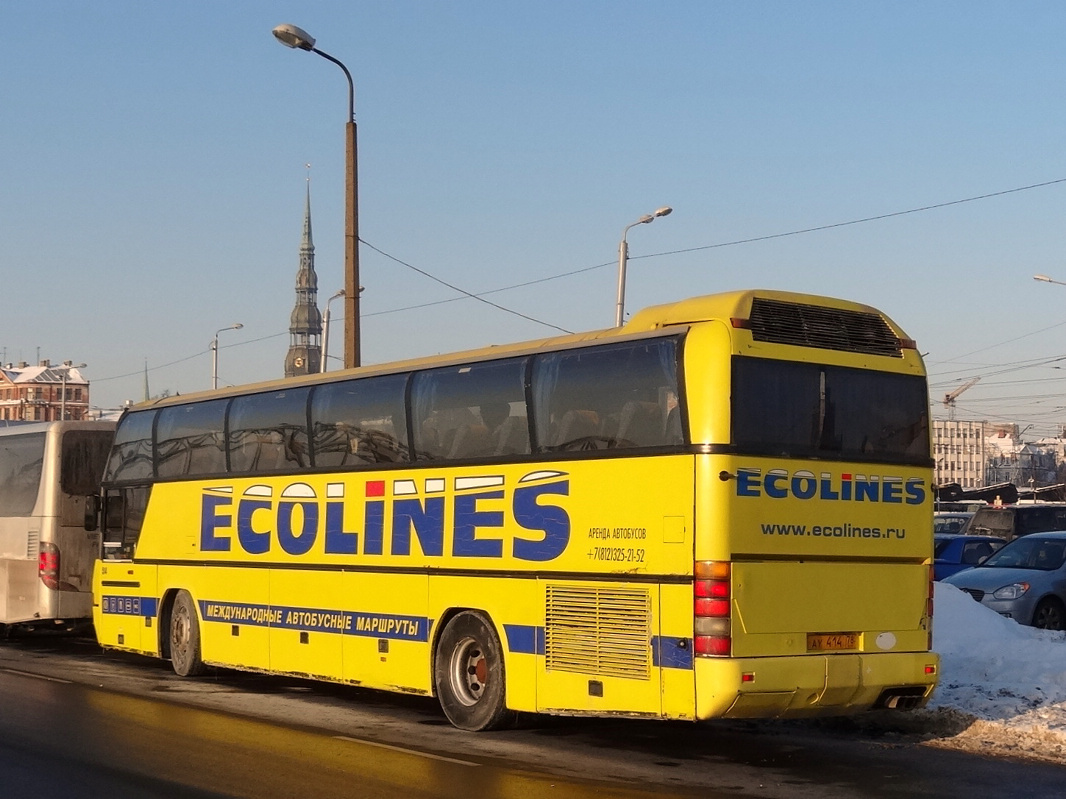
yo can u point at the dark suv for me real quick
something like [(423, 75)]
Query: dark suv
[(1012, 521)]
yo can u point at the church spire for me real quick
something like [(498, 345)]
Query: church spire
[(306, 245), (305, 324)]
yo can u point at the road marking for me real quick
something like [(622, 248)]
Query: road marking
[(407, 751), (37, 676)]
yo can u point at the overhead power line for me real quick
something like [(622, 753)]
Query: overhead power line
[(733, 243), (480, 296), (464, 292)]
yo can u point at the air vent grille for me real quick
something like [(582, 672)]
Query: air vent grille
[(33, 544), (824, 328), (604, 631)]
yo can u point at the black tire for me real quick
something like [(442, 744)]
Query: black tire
[(1049, 615), (185, 637), (468, 674)]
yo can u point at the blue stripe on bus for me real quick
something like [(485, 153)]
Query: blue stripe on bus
[(669, 653), (343, 622), (525, 639), (129, 605), (672, 653)]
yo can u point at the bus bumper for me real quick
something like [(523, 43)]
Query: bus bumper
[(812, 685)]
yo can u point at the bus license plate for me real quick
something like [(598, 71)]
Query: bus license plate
[(829, 642)]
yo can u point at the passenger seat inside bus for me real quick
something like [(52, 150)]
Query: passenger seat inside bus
[(576, 425), (513, 436), (641, 424), (470, 441)]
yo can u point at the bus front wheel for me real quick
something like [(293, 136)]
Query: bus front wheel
[(468, 674), (185, 637)]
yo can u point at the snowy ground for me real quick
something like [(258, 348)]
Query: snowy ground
[(1002, 685)]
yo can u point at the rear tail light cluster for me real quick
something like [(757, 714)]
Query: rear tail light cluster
[(712, 599), (48, 564)]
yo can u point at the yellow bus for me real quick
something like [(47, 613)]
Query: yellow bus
[(721, 509)]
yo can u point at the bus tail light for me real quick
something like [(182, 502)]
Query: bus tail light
[(48, 565), (712, 594)]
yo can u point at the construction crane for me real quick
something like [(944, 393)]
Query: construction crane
[(949, 398)]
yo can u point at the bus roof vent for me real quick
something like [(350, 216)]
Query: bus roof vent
[(825, 328)]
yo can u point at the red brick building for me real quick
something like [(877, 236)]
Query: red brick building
[(43, 393)]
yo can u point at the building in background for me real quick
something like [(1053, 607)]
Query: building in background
[(305, 324), (974, 454), (960, 452), (43, 393)]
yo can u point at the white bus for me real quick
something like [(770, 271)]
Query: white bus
[(48, 472)]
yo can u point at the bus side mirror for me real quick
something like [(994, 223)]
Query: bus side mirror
[(92, 512)]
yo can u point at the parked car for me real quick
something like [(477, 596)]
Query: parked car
[(952, 553), (1024, 581), (951, 522), (1011, 521)]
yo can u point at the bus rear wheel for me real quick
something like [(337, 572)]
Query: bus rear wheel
[(468, 674), (185, 637)]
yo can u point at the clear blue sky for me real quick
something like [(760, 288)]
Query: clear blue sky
[(153, 180)]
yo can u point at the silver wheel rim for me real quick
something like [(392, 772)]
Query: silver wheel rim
[(179, 637), (469, 671), (1049, 618)]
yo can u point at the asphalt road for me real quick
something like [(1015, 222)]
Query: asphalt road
[(62, 739), (78, 722)]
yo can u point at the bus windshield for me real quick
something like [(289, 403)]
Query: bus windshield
[(810, 410)]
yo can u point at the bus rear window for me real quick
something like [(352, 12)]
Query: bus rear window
[(83, 459), (807, 410)]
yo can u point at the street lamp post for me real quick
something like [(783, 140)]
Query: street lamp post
[(325, 330), (298, 39), (623, 258), (214, 352)]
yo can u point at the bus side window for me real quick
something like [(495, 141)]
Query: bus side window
[(20, 476), (466, 411), (124, 510), (189, 439), (131, 454), (613, 396), (268, 432), (357, 422)]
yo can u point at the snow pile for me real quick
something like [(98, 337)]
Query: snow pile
[(997, 670)]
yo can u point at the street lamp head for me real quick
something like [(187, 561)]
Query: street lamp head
[(1045, 278), (664, 211), (296, 38), (237, 326)]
